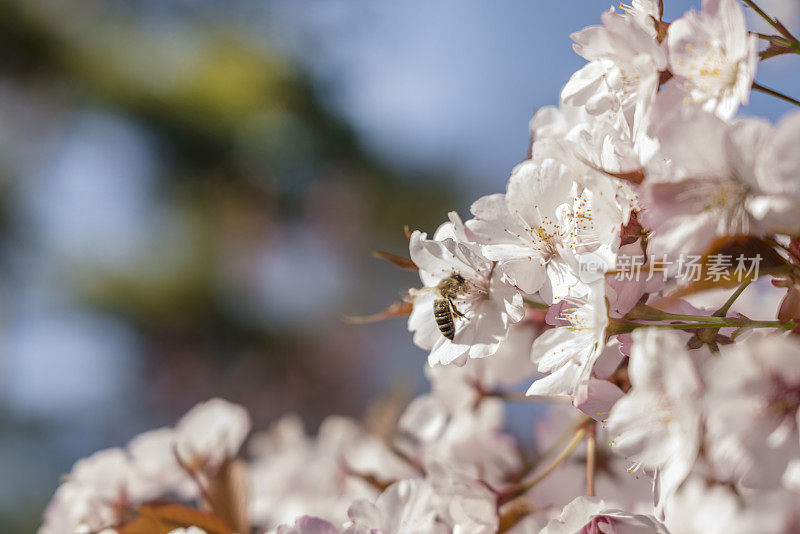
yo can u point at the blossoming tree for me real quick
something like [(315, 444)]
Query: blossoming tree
[(587, 282)]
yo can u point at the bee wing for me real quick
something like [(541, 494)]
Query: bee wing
[(423, 292)]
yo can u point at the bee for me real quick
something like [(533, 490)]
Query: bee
[(444, 309)]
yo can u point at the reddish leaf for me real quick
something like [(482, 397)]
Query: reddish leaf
[(397, 309), (228, 492), (400, 261), (774, 50), (634, 176), (632, 231)]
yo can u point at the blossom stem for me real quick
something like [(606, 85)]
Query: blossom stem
[(513, 492), (758, 87), (764, 36), (192, 472), (643, 312), (565, 435), (775, 24), (534, 304), (649, 313), (591, 442), (778, 46), (723, 311), (735, 323)]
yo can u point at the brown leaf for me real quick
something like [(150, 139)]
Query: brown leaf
[(661, 28), (227, 490), (632, 231), (396, 309), (400, 261), (634, 176), (664, 76), (774, 50), (161, 517)]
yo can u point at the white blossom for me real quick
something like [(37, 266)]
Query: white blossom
[(713, 57), (567, 353), (153, 456), (466, 502), (294, 474), (546, 228), (489, 302), (460, 388), (593, 515), (211, 433), (94, 495), (706, 183), (622, 76), (405, 507), (703, 507), (656, 425), (777, 169), (308, 525), (753, 406)]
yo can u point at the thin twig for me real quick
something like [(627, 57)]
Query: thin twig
[(728, 303), (512, 493), (534, 304), (772, 22), (746, 324), (591, 442), (764, 36), (758, 87)]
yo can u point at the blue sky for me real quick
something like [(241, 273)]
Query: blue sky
[(456, 81)]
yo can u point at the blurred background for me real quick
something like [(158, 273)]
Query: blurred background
[(190, 192)]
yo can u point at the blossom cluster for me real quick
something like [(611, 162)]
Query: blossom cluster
[(667, 412)]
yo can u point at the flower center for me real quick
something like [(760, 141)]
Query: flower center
[(710, 69), (723, 197)]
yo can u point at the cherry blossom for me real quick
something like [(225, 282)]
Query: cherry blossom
[(295, 474), (93, 496), (211, 433), (622, 75), (489, 302), (657, 424), (713, 57), (566, 354), (461, 388), (654, 407), (753, 407), (710, 186), (405, 507), (593, 516), (308, 525), (546, 227)]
